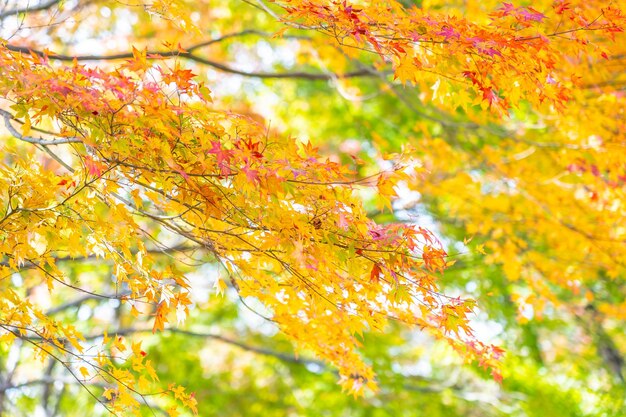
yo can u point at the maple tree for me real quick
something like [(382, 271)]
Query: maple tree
[(130, 158)]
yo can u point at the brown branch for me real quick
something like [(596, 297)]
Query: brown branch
[(254, 349), (79, 301), (246, 32), (28, 9), (193, 57), (157, 251), (131, 330), (47, 380)]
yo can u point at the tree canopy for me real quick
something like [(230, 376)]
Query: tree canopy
[(308, 207)]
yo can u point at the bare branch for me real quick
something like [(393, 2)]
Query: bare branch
[(30, 139), (79, 301), (29, 9), (46, 380), (254, 349), (246, 32)]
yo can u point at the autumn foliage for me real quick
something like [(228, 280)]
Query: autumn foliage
[(111, 157)]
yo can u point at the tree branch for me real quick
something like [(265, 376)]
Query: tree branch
[(254, 349), (79, 301), (30, 139), (28, 9), (201, 60), (46, 380), (158, 251), (246, 32)]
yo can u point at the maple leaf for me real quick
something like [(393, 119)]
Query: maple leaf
[(251, 174), (375, 273), (139, 62), (401, 294), (561, 6), (94, 168), (434, 258), (180, 77), (223, 157), (220, 286), (507, 8), (531, 14), (404, 70), (160, 317), (343, 222)]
